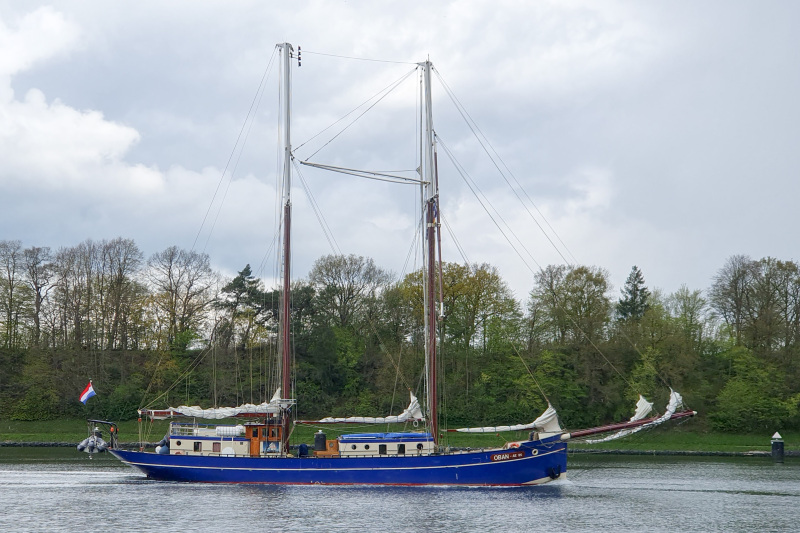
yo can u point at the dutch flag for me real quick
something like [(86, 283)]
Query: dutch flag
[(87, 393)]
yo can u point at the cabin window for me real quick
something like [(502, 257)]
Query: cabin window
[(215, 447), (255, 433), (382, 449), (198, 446), (401, 449), (274, 433)]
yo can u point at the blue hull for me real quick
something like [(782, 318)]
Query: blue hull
[(531, 463)]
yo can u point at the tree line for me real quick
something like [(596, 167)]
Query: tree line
[(168, 329)]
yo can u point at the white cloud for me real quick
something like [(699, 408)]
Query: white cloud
[(56, 145), (33, 37), (648, 135)]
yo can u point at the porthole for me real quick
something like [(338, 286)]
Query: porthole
[(366, 446), (419, 446), (178, 443), (352, 446)]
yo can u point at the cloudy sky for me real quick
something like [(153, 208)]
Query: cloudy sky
[(660, 134)]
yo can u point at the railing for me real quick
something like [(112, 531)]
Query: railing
[(187, 430)]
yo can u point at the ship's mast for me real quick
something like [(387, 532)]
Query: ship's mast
[(286, 296), (431, 199)]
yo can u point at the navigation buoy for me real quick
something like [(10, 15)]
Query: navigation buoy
[(777, 448)]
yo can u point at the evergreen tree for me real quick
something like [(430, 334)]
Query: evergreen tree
[(245, 302), (635, 295)]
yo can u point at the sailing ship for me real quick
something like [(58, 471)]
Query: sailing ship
[(257, 450)]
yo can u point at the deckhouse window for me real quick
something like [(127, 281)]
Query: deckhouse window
[(198, 446), (382, 449), (401, 449)]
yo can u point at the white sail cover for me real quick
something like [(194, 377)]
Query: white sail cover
[(547, 422), (675, 401), (274, 406), (412, 412)]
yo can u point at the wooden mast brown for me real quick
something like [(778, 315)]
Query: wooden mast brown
[(286, 295)]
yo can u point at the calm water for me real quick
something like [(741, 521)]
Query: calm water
[(62, 490)]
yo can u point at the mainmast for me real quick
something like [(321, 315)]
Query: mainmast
[(286, 295), (431, 198)]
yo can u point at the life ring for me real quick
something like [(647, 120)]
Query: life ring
[(514, 445), (178, 453)]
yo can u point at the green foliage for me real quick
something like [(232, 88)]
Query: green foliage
[(124, 400), (357, 340), (181, 341), (38, 403), (557, 376), (12, 364), (644, 377), (749, 401), (39, 399)]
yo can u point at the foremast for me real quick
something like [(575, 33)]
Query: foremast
[(284, 339), (430, 196)]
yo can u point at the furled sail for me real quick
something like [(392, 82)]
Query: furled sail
[(274, 406), (412, 413), (546, 423), (643, 407)]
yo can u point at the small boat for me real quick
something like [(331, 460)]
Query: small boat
[(95, 443), (257, 450)]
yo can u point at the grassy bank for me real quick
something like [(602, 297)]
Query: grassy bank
[(74, 430), (661, 439)]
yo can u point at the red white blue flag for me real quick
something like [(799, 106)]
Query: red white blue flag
[(87, 393)]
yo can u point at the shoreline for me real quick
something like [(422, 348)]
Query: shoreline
[(571, 451)]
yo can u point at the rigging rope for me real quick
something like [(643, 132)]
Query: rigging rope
[(366, 174), (250, 117), (361, 58), (455, 239), (513, 347), (483, 141), (383, 93), (318, 212), (472, 187), (472, 125)]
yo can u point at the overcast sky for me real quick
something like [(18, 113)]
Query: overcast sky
[(659, 134)]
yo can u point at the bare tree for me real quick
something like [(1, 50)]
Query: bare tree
[(14, 297), (728, 292), (182, 282), (39, 272), (691, 312), (121, 262), (75, 270), (345, 285)]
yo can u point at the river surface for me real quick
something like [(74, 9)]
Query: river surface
[(46, 489)]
